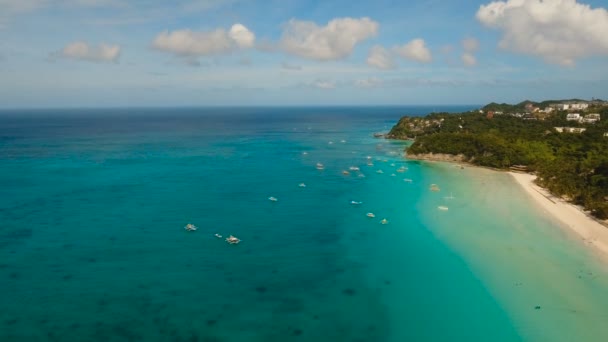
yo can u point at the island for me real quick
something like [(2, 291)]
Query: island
[(564, 143)]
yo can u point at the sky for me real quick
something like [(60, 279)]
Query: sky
[(134, 53)]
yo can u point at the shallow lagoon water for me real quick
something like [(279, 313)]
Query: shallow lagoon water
[(92, 245)]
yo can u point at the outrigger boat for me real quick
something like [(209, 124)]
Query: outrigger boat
[(272, 199), (232, 240), (355, 202), (384, 221), (302, 185), (190, 227), (218, 236), (320, 166)]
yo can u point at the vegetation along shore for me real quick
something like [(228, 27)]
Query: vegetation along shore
[(565, 143)]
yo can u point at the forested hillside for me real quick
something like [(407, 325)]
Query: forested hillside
[(571, 165)]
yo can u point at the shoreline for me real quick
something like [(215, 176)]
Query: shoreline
[(591, 231)]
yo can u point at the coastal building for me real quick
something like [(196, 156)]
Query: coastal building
[(548, 110), (579, 106), (591, 118), (571, 106), (573, 117), (576, 130)]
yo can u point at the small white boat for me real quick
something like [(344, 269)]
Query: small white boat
[(346, 173), (354, 168), (442, 207), (355, 203), (190, 227), (302, 185), (392, 164), (361, 175), (218, 236), (393, 175), (320, 166), (370, 164), (304, 153), (232, 240), (343, 141), (407, 180), (451, 197), (369, 157), (402, 169), (330, 143), (273, 199), (379, 171), (370, 215), (384, 221)]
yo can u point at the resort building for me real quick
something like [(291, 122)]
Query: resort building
[(591, 118), (573, 117), (576, 130), (579, 106), (571, 106)]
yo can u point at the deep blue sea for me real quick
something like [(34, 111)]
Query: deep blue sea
[(93, 205)]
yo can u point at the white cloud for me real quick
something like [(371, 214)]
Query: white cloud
[(415, 50), (334, 41), (380, 58), (372, 82), (85, 52), (242, 36), (288, 66), (468, 59), (324, 84), (470, 44), (193, 43), (559, 31)]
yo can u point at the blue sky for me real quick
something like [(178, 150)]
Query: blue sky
[(106, 53)]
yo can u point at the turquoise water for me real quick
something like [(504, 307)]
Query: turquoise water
[(92, 245)]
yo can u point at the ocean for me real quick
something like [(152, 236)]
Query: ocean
[(93, 205)]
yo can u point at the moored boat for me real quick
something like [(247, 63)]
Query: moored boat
[(232, 240), (190, 227)]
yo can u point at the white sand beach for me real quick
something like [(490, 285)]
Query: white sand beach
[(591, 231)]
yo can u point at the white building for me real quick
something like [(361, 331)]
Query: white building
[(579, 106), (570, 130), (573, 117)]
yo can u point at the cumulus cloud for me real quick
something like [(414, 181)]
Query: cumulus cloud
[(469, 45), (380, 58), (324, 84), (558, 31), (415, 50), (204, 43), (85, 52), (468, 59), (334, 41), (288, 66), (372, 82)]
